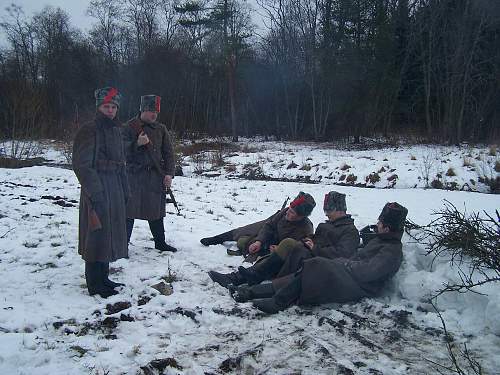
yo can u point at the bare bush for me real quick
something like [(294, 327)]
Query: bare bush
[(471, 241), (426, 167)]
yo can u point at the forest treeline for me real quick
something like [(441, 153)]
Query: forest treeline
[(310, 69)]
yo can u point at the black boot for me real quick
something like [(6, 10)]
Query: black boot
[(217, 240), (266, 269), (158, 233), (163, 246), (225, 279), (105, 276), (244, 293), (282, 299), (95, 285)]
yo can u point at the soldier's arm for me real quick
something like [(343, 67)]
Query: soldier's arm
[(374, 268), (268, 230), (129, 138), (83, 161), (344, 247), (167, 152)]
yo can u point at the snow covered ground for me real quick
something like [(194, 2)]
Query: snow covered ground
[(367, 164), (49, 324)]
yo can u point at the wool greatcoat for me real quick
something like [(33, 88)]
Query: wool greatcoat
[(349, 279), (333, 239), (148, 193), (99, 165)]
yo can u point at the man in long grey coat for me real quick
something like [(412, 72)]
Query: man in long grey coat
[(364, 274), (150, 168), (337, 237), (99, 165)]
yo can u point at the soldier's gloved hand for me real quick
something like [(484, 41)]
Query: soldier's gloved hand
[(255, 247), (97, 198), (142, 139), (167, 181), (308, 243)]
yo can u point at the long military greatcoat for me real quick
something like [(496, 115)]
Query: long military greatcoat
[(362, 275), (148, 194), (99, 165), (332, 239)]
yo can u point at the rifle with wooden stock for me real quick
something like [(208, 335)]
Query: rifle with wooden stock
[(136, 125)]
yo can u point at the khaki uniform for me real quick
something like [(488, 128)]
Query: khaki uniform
[(332, 239), (148, 193), (271, 232)]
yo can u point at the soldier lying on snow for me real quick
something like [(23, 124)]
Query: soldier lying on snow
[(322, 280), (337, 237), (258, 238)]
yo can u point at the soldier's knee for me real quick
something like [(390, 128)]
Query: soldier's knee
[(286, 246), (288, 243), (242, 242)]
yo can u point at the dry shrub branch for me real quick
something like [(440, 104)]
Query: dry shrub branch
[(471, 241)]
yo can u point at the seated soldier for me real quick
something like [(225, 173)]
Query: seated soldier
[(291, 222), (248, 236), (257, 238), (335, 238), (323, 280)]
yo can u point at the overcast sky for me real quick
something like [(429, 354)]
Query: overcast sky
[(75, 8)]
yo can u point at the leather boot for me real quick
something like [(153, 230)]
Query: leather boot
[(283, 298), (95, 285), (225, 279), (244, 293), (266, 269), (105, 276), (217, 240), (158, 233)]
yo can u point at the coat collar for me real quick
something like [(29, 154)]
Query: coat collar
[(103, 120), (344, 220), (153, 125), (390, 236)]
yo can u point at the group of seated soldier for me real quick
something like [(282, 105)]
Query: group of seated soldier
[(306, 268)]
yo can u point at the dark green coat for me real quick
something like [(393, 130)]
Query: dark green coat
[(148, 194), (99, 165), (277, 228), (350, 279), (332, 239)]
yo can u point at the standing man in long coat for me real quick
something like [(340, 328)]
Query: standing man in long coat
[(150, 167), (99, 165), (364, 274)]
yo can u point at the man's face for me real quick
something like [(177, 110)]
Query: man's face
[(334, 215), (149, 116), (108, 109), (381, 228), (291, 215)]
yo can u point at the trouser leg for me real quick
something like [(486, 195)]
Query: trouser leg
[(218, 239), (283, 297), (130, 226), (266, 269)]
